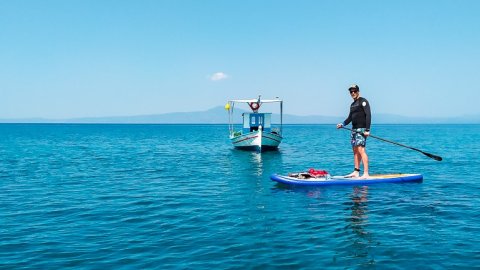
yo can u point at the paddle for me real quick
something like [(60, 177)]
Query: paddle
[(437, 158)]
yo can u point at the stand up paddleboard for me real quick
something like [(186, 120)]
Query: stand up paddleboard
[(324, 179)]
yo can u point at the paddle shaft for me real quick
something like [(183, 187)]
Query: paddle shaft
[(437, 158)]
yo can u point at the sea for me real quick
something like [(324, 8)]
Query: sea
[(100, 196)]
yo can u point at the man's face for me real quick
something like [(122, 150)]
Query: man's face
[(354, 93)]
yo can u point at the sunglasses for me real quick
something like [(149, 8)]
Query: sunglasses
[(353, 91)]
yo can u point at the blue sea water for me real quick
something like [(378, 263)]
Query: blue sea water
[(180, 197)]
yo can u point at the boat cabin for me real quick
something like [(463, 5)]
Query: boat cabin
[(252, 121)]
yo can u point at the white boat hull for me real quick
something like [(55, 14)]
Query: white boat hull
[(257, 140)]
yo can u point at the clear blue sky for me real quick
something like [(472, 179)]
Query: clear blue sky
[(82, 58)]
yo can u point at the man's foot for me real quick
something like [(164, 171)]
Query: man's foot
[(365, 176), (354, 174)]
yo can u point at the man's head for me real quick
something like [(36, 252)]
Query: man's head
[(354, 91)]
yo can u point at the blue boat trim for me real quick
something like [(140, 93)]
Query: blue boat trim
[(339, 180)]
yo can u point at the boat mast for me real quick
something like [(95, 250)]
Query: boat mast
[(281, 118), (230, 117)]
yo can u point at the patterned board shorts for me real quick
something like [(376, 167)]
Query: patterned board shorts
[(357, 138)]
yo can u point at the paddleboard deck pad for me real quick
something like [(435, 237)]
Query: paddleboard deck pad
[(307, 179)]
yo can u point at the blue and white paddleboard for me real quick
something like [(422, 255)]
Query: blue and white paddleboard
[(342, 180)]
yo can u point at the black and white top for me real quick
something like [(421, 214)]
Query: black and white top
[(360, 114)]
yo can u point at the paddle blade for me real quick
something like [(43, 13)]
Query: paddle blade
[(437, 158)]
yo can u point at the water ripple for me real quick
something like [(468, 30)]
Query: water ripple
[(179, 197)]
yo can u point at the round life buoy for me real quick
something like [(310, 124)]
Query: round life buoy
[(254, 106)]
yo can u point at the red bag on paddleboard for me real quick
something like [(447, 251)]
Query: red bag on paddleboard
[(317, 173)]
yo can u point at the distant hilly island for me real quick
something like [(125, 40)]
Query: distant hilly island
[(218, 115)]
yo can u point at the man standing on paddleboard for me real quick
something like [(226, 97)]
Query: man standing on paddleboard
[(361, 118)]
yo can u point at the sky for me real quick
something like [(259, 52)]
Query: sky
[(89, 58)]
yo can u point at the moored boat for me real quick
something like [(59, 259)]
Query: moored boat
[(257, 132)]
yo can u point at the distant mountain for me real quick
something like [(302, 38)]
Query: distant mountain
[(218, 115)]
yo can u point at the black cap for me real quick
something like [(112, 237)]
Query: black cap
[(354, 86)]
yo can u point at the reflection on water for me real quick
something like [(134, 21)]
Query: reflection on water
[(266, 163), (354, 244), (260, 164), (256, 160), (360, 238)]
